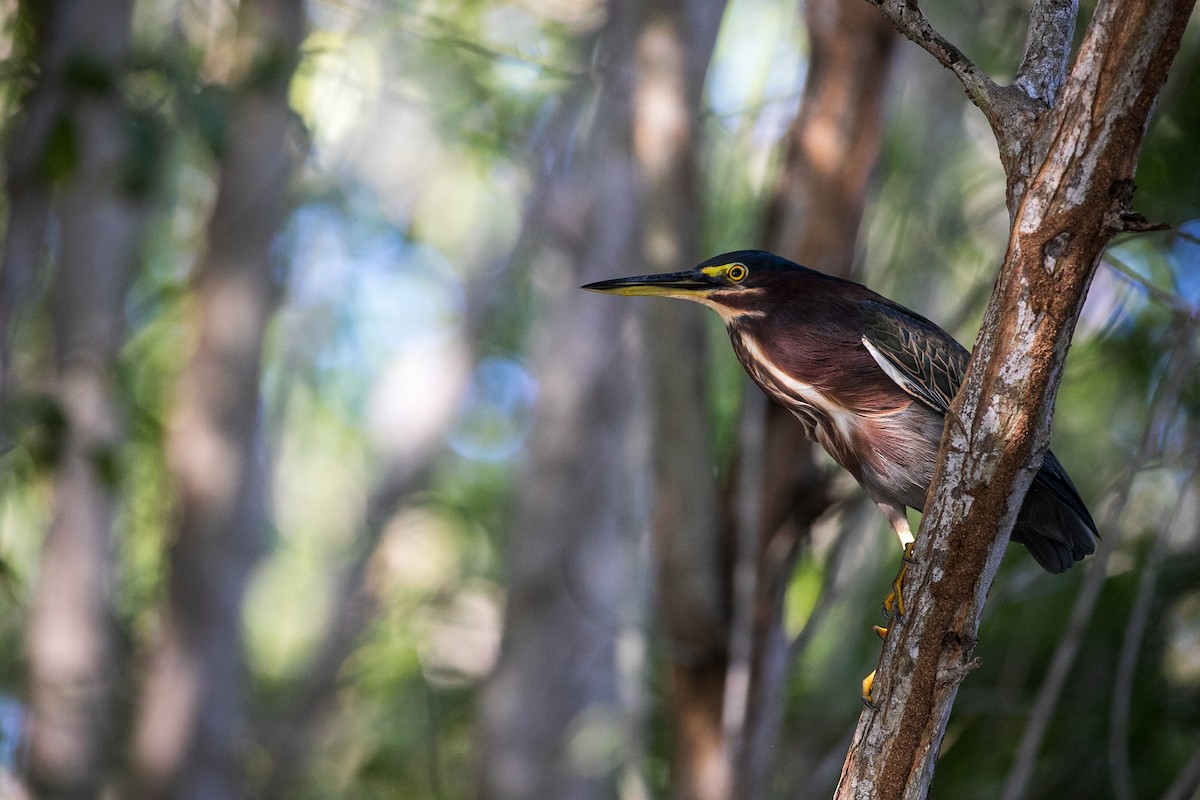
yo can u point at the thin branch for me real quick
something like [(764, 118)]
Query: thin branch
[(1062, 662), (291, 739), (745, 570), (1135, 631), (1047, 49), (426, 27), (831, 587), (1172, 301), (906, 16), (493, 54)]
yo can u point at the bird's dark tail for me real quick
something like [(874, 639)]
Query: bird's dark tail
[(1053, 522)]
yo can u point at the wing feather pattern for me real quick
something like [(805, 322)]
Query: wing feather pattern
[(920, 357), (928, 364)]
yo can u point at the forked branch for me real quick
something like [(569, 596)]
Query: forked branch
[(1012, 111)]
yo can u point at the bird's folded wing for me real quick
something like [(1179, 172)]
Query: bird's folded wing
[(920, 357)]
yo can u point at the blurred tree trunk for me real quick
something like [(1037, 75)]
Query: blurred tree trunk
[(1069, 163), (552, 722), (813, 219), (192, 736), (26, 188), (405, 466), (673, 51), (79, 113)]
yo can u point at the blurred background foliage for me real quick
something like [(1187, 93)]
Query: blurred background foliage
[(405, 326)]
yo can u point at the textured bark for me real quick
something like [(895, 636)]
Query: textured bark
[(191, 736), (1070, 182), (573, 591), (72, 660), (813, 219), (673, 51)]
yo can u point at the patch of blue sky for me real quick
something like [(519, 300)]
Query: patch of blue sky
[(12, 717), (1185, 252)]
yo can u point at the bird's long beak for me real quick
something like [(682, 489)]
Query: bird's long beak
[(672, 284)]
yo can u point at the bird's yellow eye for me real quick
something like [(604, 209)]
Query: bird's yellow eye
[(737, 272)]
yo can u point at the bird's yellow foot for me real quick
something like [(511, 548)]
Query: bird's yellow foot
[(867, 684), (869, 681), (893, 604)]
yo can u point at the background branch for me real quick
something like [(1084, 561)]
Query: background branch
[(1180, 364), (1135, 632), (290, 738), (814, 217)]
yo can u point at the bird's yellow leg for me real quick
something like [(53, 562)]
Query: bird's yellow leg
[(893, 604)]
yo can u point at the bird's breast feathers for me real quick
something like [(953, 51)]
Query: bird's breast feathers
[(878, 447), (826, 420)]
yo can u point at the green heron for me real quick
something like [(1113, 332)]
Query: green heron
[(868, 379)]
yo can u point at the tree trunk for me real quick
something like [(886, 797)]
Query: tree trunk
[(192, 735), (673, 50), (1070, 164), (551, 721), (813, 219), (72, 660), (27, 192)]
